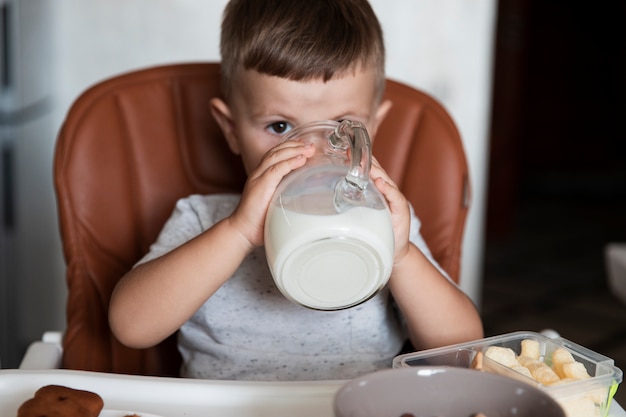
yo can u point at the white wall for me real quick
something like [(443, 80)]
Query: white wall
[(441, 46), (445, 47)]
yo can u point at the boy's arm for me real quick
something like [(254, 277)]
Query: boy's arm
[(154, 299), (437, 312)]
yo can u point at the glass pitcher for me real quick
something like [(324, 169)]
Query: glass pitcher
[(328, 233)]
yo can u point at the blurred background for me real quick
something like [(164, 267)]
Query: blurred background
[(537, 89), (557, 173)]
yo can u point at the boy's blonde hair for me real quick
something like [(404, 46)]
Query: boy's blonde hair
[(300, 40)]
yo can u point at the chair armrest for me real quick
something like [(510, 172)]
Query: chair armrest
[(615, 265), (44, 354)]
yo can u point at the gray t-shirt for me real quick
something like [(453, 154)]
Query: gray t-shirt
[(249, 331)]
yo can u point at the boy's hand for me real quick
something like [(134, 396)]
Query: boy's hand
[(249, 217), (399, 207)]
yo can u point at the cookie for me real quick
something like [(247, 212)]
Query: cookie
[(60, 401)]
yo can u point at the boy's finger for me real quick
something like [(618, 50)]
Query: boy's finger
[(377, 172), (278, 155)]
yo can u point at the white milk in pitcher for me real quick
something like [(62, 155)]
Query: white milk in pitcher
[(329, 262)]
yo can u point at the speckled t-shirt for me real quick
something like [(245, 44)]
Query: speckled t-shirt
[(249, 331)]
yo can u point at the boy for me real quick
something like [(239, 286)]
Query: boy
[(284, 63)]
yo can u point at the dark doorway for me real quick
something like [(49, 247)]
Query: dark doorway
[(557, 181)]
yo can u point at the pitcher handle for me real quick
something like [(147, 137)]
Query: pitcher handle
[(352, 190), (361, 152)]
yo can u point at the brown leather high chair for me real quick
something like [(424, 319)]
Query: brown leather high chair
[(134, 144)]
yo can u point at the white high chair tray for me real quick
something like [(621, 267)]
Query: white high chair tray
[(174, 397)]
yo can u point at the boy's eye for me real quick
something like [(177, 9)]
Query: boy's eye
[(280, 128)]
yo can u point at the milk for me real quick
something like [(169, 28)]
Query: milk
[(329, 262)]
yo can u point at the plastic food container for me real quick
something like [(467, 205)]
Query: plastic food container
[(589, 397)]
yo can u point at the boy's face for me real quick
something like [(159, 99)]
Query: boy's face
[(263, 108)]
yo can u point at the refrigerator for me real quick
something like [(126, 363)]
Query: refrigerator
[(31, 265)]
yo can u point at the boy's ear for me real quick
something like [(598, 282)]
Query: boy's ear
[(223, 116), (381, 112)]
